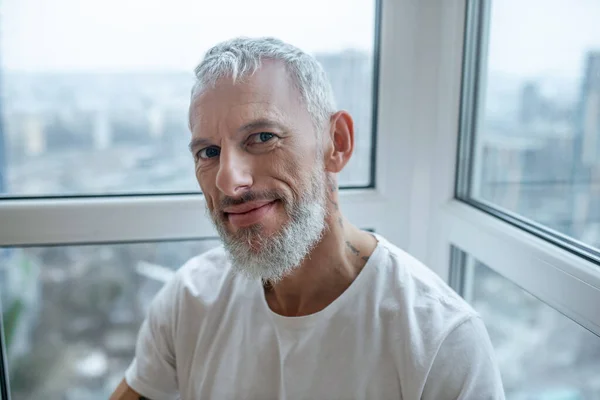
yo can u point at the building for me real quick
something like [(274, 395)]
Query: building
[(586, 168), (530, 103), (589, 112), (3, 163), (20, 291), (3, 177)]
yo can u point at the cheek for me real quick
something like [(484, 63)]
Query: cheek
[(207, 186), (293, 168), (303, 156), (299, 163), (296, 172)]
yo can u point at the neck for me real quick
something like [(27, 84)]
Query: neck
[(326, 272)]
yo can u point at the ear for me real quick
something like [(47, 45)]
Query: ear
[(341, 137)]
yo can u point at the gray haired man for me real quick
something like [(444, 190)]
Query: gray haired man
[(298, 303)]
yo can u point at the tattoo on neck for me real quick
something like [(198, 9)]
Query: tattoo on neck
[(353, 249), (341, 222), (365, 258), (335, 204), (332, 187)]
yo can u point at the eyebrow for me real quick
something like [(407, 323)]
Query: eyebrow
[(258, 124), (261, 123), (198, 142)]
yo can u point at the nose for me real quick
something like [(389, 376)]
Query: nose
[(234, 176)]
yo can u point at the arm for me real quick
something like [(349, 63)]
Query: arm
[(152, 373), (124, 392), (464, 367)]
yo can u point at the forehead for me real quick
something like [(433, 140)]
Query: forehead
[(268, 93)]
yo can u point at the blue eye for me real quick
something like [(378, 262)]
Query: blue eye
[(209, 152), (263, 137)]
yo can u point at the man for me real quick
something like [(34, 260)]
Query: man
[(298, 303)]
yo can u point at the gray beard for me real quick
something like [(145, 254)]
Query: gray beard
[(281, 253)]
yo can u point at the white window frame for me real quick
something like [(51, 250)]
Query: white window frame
[(413, 202), (556, 276)]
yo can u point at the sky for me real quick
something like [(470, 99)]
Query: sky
[(168, 34), (527, 37), (532, 38)]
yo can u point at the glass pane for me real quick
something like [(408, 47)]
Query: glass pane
[(543, 355), (538, 142), (104, 85), (71, 314)]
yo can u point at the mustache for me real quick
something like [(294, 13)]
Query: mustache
[(266, 195)]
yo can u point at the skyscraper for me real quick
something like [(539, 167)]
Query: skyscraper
[(586, 166), (590, 111), (530, 103), (3, 178)]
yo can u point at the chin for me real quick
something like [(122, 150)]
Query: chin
[(259, 232), (255, 237)]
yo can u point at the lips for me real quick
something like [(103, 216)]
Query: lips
[(245, 207), (248, 214)]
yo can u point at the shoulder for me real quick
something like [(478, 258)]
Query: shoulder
[(465, 365), (174, 315), (204, 275), (199, 281), (421, 289), (433, 328), (420, 305), (204, 270)]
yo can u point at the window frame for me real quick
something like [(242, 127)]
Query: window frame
[(472, 110), (556, 273), (4, 379)]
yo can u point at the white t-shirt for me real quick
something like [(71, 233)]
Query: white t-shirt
[(398, 332)]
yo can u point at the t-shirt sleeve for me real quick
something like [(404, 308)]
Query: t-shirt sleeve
[(152, 372), (465, 367)]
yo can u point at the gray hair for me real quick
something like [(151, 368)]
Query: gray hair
[(241, 57)]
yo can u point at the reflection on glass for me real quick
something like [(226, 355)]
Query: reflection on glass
[(543, 355), (111, 99), (538, 144), (71, 314)]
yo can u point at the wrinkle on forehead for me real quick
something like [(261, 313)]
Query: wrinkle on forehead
[(270, 86), (231, 120)]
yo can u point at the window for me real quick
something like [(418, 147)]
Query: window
[(521, 198), (541, 353), (72, 313), (536, 135), (96, 183), (83, 85)]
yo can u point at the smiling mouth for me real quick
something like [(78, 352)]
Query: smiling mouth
[(249, 216)]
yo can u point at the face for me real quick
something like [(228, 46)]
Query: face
[(259, 164)]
